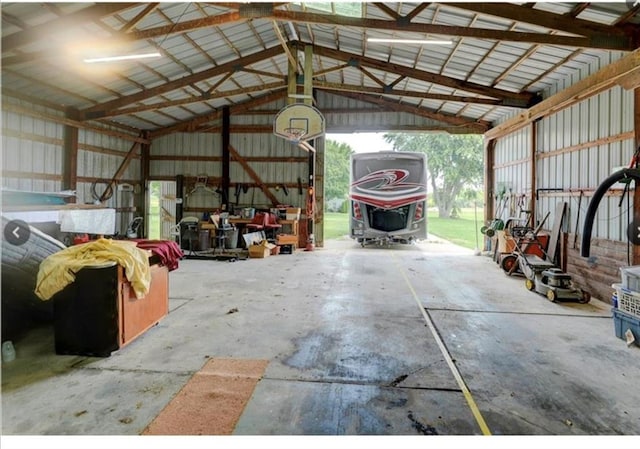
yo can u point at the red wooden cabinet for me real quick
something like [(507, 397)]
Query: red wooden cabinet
[(138, 315)]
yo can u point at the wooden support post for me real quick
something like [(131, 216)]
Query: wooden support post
[(308, 75), (534, 163), (636, 192), (145, 152), (70, 151), (292, 88), (226, 158), (489, 162)]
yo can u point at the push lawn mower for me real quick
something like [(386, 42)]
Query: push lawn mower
[(542, 276), (555, 284)]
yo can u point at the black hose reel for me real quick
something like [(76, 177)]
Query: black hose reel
[(624, 175)]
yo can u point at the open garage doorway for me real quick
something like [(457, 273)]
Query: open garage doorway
[(161, 209)]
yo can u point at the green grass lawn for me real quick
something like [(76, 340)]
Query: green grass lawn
[(460, 231)]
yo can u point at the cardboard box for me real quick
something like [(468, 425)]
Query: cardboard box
[(261, 250), (287, 239)]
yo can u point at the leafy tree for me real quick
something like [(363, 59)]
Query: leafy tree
[(453, 163), (336, 165)]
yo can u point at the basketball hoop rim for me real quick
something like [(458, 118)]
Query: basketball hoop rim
[(295, 135)]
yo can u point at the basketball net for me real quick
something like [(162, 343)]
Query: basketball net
[(295, 135)]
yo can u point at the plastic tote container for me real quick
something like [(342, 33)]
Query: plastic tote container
[(628, 300), (631, 278), (622, 322)]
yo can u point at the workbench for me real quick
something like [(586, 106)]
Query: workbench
[(242, 222)]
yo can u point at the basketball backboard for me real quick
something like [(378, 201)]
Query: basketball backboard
[(298, 122)]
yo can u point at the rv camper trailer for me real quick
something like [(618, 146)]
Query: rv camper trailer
[(388, 195)]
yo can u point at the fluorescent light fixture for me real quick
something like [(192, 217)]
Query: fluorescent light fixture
[(408, 41), (122, 57)]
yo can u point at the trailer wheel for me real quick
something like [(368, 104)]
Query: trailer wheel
[(552, 295), (529, 284)]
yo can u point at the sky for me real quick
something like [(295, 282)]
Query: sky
[(362, 142)]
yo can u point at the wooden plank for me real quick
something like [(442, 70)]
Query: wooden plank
[(120, 171), (253, 175), (554, 239)]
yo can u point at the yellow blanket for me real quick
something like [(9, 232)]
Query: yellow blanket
[(59, 269)]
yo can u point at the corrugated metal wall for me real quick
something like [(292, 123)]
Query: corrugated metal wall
[(253, 148), (512, 173), (576, 149), (344, 114), (31, 149), (33, 158)]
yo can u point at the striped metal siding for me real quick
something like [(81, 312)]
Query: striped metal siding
[(340, 116), (199, 147), (512, 168), (605, 121), (33, 157), (577, 149), (32, 150), (248, 146), (96, 168)]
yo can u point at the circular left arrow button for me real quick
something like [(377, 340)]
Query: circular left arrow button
[(17, 232)]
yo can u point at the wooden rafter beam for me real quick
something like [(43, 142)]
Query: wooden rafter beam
[(600, 81), (613, 41), (200, 123), (577, 9), (388, 11), (292, 59), (377, 80), (137, 19), (100, 110), (263, 73), (417, 10), (187, 25), (509, 98), (542, 18), (73, 20), (339, 87), (185, 101), (330, 70), (441, 117)]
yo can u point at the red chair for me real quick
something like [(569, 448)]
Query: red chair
[(258, 223), (272, 226)]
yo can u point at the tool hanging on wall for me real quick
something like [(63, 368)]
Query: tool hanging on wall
[(238, 190), (497, 224), (285, 190), (300, 192), (625, 175), (575, 234)]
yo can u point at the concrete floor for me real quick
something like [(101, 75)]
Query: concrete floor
[(428, 339)]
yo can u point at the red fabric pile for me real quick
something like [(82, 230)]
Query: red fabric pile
[(168, 251)]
